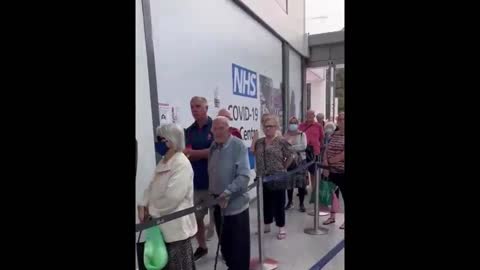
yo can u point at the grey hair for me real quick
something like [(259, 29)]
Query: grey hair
[(174, 134), (330, 124), (222, 119), (321, 116), (201, 99)]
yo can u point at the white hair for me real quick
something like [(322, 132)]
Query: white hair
[(321, 116), (174, 134), (330, 124)]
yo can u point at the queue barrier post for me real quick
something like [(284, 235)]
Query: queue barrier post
[(317, 229), (262, 262)]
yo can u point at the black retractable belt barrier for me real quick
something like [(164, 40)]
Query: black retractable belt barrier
[(187, 211), (211, 202)]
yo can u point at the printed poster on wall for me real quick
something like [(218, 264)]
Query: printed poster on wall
[(248, 96), (270, 97), (165, 111)]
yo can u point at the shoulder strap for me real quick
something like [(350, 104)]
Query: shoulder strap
[(308, 127)]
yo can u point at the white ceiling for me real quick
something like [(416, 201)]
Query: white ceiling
[(323, 16)]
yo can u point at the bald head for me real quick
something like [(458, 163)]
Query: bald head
[(220, 129), (225, 113), (221, 120)]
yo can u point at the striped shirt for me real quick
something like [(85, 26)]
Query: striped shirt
[(335, 147)]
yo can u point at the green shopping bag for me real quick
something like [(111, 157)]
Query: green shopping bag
[(325, 191), (155, 254)]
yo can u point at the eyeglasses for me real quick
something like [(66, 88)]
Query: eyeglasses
[(270, 126)]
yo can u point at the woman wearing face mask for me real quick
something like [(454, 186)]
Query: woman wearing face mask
[(329, 130), (171, 190), (298, 140)]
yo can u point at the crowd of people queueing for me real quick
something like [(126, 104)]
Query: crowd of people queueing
[(209, 159)]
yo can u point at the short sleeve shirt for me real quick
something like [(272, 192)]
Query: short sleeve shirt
[(199, 138)]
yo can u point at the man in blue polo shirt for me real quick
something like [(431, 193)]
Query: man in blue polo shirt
[(198, 140)]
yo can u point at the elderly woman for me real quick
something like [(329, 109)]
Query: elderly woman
[(273, 155), (298, 140), (171, 190), (260, 134), (334, 157)]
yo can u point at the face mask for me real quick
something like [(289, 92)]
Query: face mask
[(161, 148), (293, 127)]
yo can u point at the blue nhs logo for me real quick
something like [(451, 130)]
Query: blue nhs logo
[(244, 82)]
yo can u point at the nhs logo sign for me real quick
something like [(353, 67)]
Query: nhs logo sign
[(244, 82)]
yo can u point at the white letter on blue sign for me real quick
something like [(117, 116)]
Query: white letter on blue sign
[(237, 81), (253, 80), (246, 83)]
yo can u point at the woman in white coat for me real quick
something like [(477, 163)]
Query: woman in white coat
[(298, 140), (171, 190)]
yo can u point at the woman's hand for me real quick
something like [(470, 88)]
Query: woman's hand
[(142, 213)]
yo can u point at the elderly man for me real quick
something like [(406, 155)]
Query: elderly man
[(321, 119), (229, 174), (233, 130)]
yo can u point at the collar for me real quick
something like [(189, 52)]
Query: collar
[(163, 167), (209, 123), (218, 146)]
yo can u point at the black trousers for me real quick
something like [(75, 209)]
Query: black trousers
[(301, 194), (235, 238), (274, 206), (339, 180)]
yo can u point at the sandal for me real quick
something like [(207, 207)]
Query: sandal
[(342, 227), (329, 221), (281, 235)]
